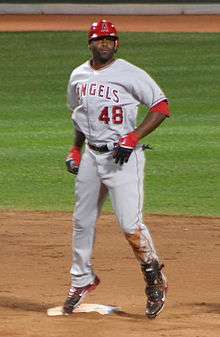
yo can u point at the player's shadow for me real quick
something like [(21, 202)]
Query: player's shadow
[(136, 317), (22, 304), (15, 303)]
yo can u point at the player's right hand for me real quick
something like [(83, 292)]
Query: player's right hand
[(73, 160)]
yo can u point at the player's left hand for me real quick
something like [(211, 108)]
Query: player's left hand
[(125, 147)]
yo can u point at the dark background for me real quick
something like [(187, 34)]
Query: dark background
[(111, 1)]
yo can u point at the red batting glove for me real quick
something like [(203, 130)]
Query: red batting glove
[(125, 147), (129, 141), (73, 160)]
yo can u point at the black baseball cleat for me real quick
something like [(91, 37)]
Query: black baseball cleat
[(76, 296), (156, 288)]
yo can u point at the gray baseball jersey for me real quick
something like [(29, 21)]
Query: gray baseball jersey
[(104, 102)]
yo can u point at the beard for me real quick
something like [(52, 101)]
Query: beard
[(103, 56)]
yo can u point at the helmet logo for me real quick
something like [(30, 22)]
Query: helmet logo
[(104, 27)]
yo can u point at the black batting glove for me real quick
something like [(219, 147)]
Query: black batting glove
[(121, 155), (126, 145)]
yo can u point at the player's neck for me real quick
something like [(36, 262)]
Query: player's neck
[(96, 64)]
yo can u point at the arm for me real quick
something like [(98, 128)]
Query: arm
[(150, 123), (79, 139), (74, 157), (154, 118)]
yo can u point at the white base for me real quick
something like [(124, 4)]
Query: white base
[(100, 308)]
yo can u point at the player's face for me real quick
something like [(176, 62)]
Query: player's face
[(103, 50)]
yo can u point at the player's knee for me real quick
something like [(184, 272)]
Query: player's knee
[(82, 223), (133, 238), (129, 227)]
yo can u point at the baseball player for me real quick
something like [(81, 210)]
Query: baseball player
[(103, 95)]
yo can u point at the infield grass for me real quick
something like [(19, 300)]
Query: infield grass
[(36, 131)]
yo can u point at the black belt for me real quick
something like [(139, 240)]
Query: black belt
[(104, 148), (101, 149)]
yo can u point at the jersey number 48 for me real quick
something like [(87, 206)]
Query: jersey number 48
[(114, 115)]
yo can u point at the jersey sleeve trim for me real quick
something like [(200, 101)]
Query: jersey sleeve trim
[(162, 107)]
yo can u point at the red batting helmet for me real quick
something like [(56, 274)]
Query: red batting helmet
[(102, 28)]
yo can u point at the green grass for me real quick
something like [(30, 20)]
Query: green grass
[(36, 131)]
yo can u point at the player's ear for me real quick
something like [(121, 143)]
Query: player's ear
[(89, 44), (116, 46)]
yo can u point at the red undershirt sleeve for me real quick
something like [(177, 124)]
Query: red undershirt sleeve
[(162, 107)]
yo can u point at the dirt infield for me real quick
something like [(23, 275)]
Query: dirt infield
[(36, 247), (173, 23), (35, 260)]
